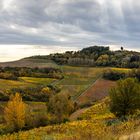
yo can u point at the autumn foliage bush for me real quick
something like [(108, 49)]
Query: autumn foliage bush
[(8, 76), (15, 113)]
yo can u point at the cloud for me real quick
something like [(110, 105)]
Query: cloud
[(70, 23), (15, 52)]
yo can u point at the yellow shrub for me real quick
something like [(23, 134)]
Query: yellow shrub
[(14, 113)]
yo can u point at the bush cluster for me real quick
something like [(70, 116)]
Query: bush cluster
[(38, 93), (114, 75), (125, 97), (12, 73)]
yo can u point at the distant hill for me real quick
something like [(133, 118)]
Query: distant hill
[(90, 56), (29, 62)]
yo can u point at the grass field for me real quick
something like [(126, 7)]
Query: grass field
[(121, 69), (7, 84), (78, 79), (24, 82), (41, 81)]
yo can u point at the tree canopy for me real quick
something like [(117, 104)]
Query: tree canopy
[(125, 97)]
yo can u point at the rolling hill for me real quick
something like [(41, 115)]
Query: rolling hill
[(29, 62), (83, 84)]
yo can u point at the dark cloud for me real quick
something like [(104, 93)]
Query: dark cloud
[(72, 23)]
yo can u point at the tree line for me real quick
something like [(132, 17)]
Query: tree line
[(13, 73), (115, 75), (96, 56), (39, 93)]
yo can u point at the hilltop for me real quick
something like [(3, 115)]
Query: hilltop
[(96, 56), (90, 56)]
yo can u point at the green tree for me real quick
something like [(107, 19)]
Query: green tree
[(61, 106), (103, 60), (125, 97), (14, 113)]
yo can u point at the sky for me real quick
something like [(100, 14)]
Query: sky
[(32, 27)]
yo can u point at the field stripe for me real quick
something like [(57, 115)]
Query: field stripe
[(56, 82), (85, 91)]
